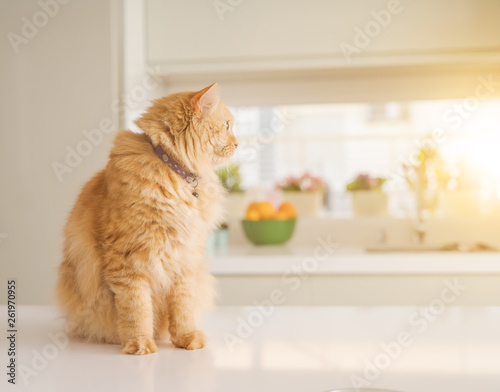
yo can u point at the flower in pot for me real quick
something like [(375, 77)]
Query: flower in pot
[(367, 196), (306, 193)]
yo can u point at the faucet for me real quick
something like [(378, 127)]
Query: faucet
[(420, 232)]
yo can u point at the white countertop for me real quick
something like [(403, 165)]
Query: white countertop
[(294, 349), (277, 260)]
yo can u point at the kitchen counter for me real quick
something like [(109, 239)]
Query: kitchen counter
[(327, 275), (290, 349), (327, 259)]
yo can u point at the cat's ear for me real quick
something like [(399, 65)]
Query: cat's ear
[(205, 101)]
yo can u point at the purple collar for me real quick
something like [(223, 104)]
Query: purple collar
[(190, 178)]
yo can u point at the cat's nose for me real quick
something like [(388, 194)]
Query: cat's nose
[(235, 145)]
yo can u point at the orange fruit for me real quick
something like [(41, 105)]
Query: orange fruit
[(253, 211), (253, 215), (266, 210), (288, 209), (281, 215), (252, 206)]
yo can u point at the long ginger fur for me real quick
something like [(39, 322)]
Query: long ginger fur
[(134, 267)]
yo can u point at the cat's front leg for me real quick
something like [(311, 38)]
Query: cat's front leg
[(182, 327), (135, 310)]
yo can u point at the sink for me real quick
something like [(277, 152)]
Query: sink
[(462, 247)]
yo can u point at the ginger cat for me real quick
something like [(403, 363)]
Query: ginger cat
[(134, 267)]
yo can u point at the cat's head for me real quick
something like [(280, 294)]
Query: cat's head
[(197, 125)]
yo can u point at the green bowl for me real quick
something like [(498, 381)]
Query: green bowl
[(269, 232)]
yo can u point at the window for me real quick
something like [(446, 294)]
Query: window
[(339, 141)]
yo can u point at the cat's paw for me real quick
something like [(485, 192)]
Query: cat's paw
[(191, 341), (139, 346)]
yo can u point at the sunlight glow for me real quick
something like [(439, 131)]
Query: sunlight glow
[(483, 156)]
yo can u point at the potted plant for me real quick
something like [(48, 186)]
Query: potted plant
[(367, 196), (306, 193), (426, 178), (237, 201)]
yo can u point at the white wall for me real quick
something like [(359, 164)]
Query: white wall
[(138, 86), (293, 51), (61, 82)]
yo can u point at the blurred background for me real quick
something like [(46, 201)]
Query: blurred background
[(379, 121)]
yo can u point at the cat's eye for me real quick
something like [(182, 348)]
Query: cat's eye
[(226, 123)]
